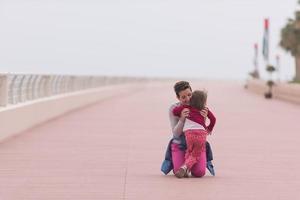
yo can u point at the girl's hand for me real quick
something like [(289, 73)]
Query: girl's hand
[(184, 114)]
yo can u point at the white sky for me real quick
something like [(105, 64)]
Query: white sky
[(172, 38)]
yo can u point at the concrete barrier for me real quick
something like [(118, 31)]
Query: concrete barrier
[(20, 88), (32, 103), (285, 91)]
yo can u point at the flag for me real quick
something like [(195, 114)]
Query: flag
[(265, 49)]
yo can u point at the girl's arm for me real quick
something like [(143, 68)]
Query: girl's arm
[(177, 110), (212, 121)]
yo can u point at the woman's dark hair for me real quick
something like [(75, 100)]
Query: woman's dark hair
[(198, 99), (180, 86)]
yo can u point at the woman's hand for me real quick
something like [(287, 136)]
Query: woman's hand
[(204, 112), (184, 114)]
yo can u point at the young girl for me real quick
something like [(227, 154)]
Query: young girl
[(195, 131)]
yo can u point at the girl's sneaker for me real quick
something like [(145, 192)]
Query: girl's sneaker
[(186, 175), (181, 172)]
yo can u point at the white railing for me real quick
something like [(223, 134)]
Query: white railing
[(18, 88)]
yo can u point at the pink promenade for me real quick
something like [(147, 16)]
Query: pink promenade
[(114, 149)]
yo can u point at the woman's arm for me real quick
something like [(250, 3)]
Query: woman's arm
[(177, 122), (204, 112)]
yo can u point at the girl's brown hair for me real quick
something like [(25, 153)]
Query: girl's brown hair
[(198, 99)]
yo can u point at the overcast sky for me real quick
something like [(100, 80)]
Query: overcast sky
[(210, 39)]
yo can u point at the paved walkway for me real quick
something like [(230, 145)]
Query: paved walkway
[(113, 150)]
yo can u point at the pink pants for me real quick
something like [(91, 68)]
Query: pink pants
[(195, 140), (178, 157)]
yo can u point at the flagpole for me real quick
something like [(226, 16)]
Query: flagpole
[(278, 66), (255, 62), (266, 52)]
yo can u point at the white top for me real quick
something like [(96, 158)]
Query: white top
[(176, 124), (191, 125)]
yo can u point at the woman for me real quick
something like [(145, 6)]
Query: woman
[(183, 92)]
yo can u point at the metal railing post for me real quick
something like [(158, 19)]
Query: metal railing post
[(3, 90)]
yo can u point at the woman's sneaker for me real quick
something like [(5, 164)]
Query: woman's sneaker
[(181, 172)]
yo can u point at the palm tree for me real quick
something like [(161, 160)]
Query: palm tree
[(290, 40)]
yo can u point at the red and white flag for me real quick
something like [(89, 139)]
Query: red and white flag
[(265, 49)]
